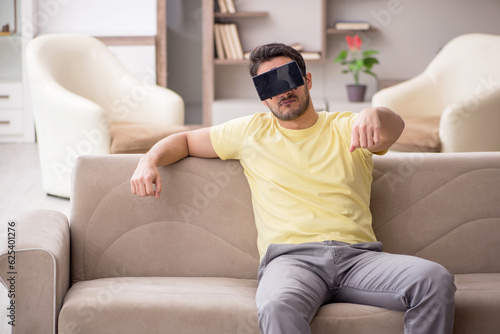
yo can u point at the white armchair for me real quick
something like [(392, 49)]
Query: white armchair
[(78, 90), (460, 89)]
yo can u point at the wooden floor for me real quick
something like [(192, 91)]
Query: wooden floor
[(21, 183)]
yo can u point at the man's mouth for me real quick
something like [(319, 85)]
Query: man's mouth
[(287, 101)]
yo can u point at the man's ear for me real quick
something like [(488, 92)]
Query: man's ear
[(309, 80)]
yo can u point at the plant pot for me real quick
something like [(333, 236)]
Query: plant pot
[(356, 93)]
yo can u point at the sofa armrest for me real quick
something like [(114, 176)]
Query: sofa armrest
[(472, 124), (36, 276), (414, 98)]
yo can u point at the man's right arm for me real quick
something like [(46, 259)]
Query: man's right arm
[(146, 179)]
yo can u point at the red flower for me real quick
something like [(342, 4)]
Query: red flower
[(354, 43)]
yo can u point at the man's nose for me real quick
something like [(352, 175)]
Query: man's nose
[(286, 94)]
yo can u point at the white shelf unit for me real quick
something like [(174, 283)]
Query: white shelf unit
[(226, 83), (16, 116)]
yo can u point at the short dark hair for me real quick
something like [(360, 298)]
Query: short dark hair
[(267, 52)]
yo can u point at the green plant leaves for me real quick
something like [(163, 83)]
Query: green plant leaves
[(369, 62), (342, 56), (358, 62), (369, 53)]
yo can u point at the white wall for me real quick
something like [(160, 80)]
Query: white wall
[(184, 48), (105, 18), (97, 17), (410, 33)]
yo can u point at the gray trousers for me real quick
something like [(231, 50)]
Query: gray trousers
[(295, 280)]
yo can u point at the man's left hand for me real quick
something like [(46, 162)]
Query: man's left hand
[(365, 130)]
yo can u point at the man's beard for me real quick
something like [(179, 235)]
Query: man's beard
[(294, 113)]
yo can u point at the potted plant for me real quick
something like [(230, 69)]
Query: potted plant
[(356, 61)]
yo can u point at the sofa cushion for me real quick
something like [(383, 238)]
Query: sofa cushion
[(477, 303), (195, 305), (227, 305), (440, 206), (202, 225), (419, 135), (160, 305), (137, 137)]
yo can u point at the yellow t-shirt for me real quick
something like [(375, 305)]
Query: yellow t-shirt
[(306, 186)]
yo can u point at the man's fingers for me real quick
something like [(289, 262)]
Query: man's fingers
[(158, 187), (364, 138), (354, 140), (376, 136), (132, 187), (146, 186)]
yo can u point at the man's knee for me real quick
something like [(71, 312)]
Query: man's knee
[(437, 282), (279, 316), (272, 308)]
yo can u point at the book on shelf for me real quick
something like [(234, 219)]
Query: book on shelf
[(297, 46), (227, 41), (219, 47), (305, 54), (231, 8), (236, 42), (310, 55), (352, 25), (225, 6)]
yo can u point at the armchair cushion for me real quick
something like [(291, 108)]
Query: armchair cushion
[(419, 135), (138, 138)]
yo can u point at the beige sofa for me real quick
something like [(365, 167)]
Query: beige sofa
[(187, 262)]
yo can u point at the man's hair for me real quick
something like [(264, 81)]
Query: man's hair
[(267, 52)]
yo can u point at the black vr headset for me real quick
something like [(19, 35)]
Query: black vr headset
[(279, 80)]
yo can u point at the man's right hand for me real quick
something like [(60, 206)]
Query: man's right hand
[(146, 180)]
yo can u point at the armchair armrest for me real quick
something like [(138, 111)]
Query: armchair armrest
[(415, 98), (472, 124), (71, 118), (140, 102), (68, 125), (37, 274)]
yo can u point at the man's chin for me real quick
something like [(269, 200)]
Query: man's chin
[(288, 115)]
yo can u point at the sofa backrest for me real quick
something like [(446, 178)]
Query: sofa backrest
[(202, 224), (443, 207)]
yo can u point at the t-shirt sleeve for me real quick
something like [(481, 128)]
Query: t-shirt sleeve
[(227, 138)]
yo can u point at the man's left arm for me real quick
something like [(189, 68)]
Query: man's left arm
[(376, 129)]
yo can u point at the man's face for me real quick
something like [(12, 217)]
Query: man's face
[(289, 105)]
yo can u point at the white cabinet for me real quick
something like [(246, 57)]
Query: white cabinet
[(11, 108), (16, 117)]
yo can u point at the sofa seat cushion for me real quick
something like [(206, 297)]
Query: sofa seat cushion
[(477, 303), (227, 305), (195, 305), (419, 135), (160, 305)]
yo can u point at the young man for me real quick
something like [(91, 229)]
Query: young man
[(310, 175)]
